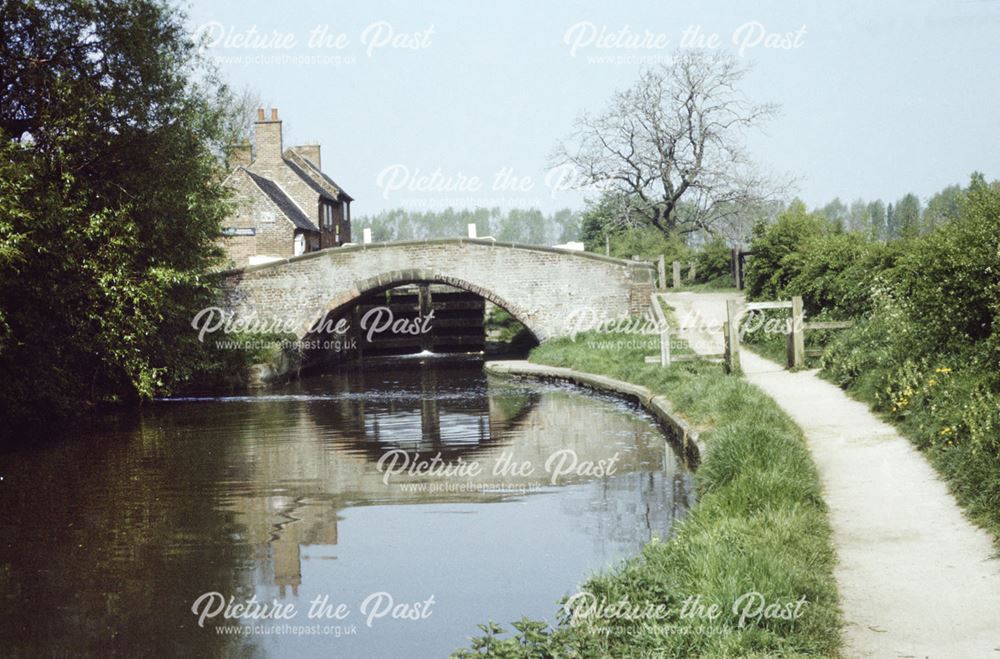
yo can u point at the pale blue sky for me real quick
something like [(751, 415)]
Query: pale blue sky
[(878, 99)]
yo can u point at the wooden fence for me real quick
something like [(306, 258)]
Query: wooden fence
[(796, 352)]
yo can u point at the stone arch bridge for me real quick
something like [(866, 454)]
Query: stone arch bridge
[(540, 286)]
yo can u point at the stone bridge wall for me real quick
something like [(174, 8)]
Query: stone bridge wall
[(540, 286)]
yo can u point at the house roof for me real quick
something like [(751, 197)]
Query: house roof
[(284, 203), (322, 184)]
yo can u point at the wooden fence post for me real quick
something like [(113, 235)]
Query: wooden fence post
[(731, 334), (661, 270), (691, 272), (796, 335), (677, 274)]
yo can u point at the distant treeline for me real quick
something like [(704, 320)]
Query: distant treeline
[(906, 218), (529, 226)]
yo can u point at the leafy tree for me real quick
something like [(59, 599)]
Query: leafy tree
[(529, 226), (906, 217), (610, 214), (112, 201), (878, 227), (568, 224), (943, 207), (836, 211)]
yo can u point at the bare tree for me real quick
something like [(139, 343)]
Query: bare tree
[(674, 143), (241, 112)]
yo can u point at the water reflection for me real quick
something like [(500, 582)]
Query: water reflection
[(114, 535)]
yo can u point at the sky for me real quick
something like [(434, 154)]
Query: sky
[(450, 103)]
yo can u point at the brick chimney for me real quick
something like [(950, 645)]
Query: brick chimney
[(238, 155), (309, 152), (268, 136)]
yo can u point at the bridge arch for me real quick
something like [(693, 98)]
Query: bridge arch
[(388, 280)]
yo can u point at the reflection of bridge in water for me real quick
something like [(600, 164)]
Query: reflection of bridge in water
[(326, 459)]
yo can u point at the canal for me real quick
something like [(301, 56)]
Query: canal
[(409, 488)]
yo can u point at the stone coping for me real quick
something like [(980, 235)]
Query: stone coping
[(655, 404), (359, 247)]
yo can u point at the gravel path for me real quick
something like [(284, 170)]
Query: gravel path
[(916, 578)]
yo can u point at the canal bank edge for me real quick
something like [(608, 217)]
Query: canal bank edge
[(656, 404)]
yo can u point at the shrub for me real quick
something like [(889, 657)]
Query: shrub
[(713, 263), (778, 250), (838, 273), (950, 280)]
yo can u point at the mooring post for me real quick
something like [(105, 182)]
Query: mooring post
[(797, 344), (732, 337), (661, 270), (677, 274)]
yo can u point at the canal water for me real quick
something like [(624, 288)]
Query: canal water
[(410, 488)]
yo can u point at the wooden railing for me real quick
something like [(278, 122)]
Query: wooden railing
[(796, 352)]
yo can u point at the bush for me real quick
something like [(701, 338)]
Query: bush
[(950, 280), (714, 263), (648, 243), (778, 250), (838, 273)]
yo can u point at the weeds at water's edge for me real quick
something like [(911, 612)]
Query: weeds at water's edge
[(760, 526)]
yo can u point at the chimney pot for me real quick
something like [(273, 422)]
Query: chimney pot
[(260, 114), (274, 114)]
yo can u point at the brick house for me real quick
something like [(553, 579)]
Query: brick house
[(285, 204)]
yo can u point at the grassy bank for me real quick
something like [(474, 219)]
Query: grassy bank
[(760, 526), (925, 348), (945, 403)]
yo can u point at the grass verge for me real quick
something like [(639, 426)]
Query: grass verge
[(760, 527)]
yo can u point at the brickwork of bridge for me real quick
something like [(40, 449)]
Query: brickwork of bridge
[(542, 287)]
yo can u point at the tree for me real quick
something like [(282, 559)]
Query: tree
[(906, 216), (877, 220), (674, 142), (239, 115), (943, 207), (112, 204), (858, 217), (836, 211)]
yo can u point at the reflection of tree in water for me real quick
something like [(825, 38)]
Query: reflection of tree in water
[(109, 539)]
